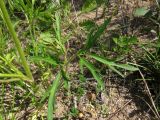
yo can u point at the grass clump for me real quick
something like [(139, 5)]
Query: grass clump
[(56, 48)]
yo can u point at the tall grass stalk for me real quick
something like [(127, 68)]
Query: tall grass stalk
[(8, 22)]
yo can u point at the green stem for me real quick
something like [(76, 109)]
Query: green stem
[(11, 75), (15, 38), (12, 80)]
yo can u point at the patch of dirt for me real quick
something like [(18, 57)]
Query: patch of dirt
[(123, 99)]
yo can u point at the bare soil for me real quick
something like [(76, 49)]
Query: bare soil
[(124, 99)]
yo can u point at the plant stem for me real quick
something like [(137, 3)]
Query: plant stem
[(6, 18)]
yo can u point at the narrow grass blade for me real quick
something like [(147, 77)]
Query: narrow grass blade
[(94, 72), (14, 77), (102, 28), (89, 5), (111, 63), (88, 24), (115, 70), (149, 54), (11, 75), (51, 101), (47, 92), (127, 67), (12, 80), (45, 59), (94, 35)]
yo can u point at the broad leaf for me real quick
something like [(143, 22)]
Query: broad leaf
[(139, 12)]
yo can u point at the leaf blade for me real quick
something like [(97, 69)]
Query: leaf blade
[(139, 12), (94, 72), (93, 36), (111, 63), (45, 59), (51, 100)]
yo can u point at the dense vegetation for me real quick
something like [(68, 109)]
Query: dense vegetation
[(47, 48)]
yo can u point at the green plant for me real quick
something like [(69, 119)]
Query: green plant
[(55, 47), (152, 63), (16, 40), (50, 52), (9, 70), (36, 16), (151, 59), (124, 44), (52, 97), (1, 118), (94, 72), (2, 42), (152, 15), (95, 32), (111, 64), (74, 112), (90, 5)]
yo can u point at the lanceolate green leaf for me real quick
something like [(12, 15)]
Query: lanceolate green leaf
[(94, 35), (93, 71), (127, 67), (111, 63), (20, 76), (46, 94), (89, 5), (99, 2), (101, 28), (51, 101), (139, 12), (11, 75), (13, 80), (88, 24), (116, 71), (45, 59)]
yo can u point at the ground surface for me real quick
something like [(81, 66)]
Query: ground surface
[(124, 99)]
